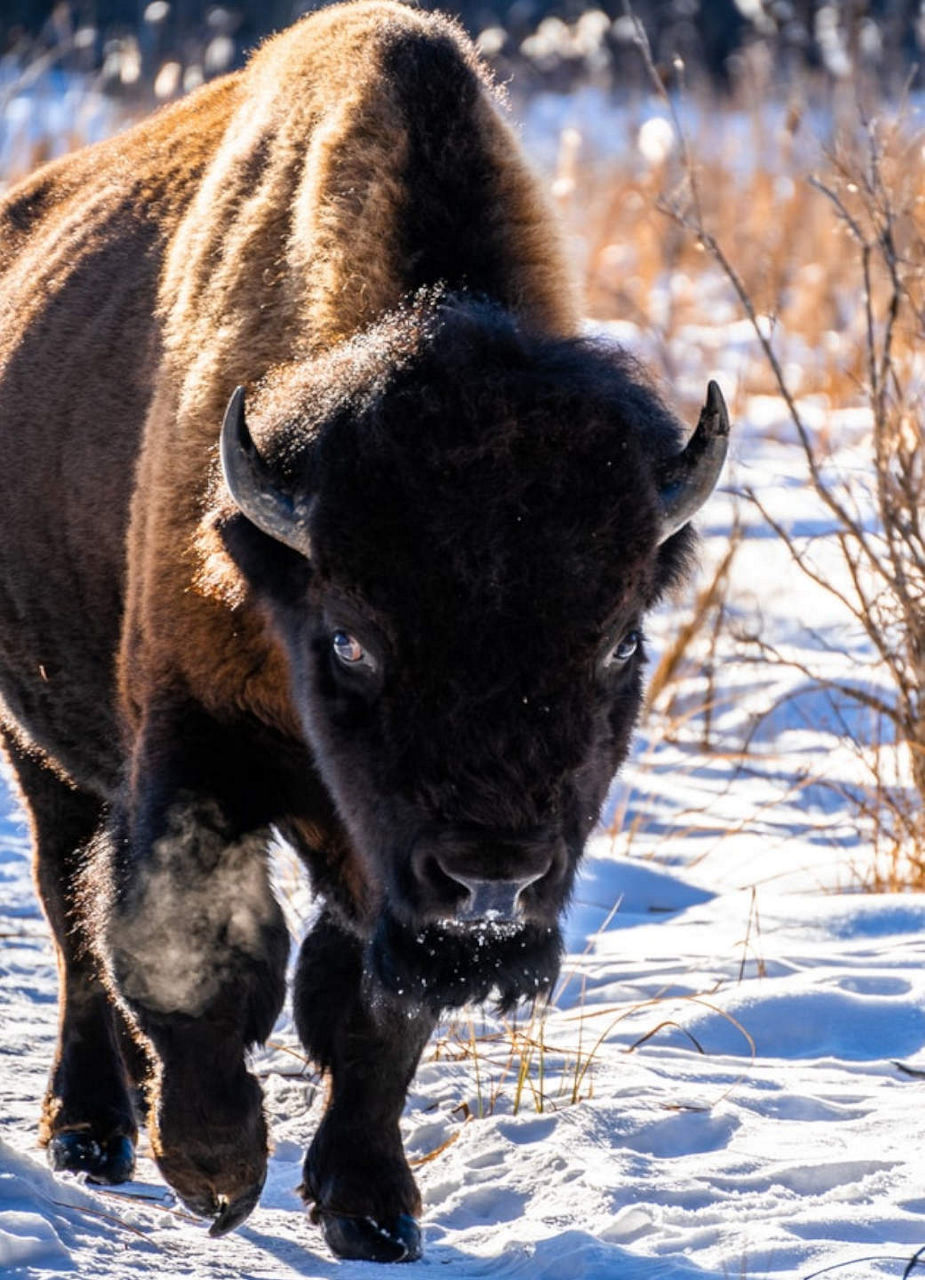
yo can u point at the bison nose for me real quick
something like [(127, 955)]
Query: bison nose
[(472, 875), (492, 899)]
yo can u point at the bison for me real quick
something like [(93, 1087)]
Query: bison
[(319, 517)]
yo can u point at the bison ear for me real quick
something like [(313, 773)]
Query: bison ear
[(687, 480), (252, 485)]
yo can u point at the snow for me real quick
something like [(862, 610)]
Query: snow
[(725, 1085)]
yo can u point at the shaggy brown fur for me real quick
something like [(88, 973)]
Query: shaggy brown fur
[(292, 244), (348, 228), (142, 280)]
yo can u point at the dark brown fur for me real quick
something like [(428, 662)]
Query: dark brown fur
[(349, 228)]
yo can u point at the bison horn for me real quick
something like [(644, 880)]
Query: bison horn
[(689, 479), (251, 484)]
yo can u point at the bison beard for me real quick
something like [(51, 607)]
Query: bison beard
[(388, 603), (442, 966)]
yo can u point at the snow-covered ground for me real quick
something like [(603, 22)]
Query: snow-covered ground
[(726, 1083)]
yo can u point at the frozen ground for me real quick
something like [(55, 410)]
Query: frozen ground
[(726, 1085)]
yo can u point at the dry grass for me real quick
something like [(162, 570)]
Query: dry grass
[(548, 1063), (816, 243), (792, 250)]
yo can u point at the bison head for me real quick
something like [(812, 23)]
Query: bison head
[(457, 527)]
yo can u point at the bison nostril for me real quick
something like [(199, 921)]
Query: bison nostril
[(431, 872), (492, 899)]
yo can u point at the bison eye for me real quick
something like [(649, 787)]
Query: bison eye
[(350, 652), (623, 651)]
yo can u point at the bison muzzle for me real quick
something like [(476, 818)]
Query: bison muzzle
[(321, 518)]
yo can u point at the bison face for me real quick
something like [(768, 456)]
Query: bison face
[(480, 518)]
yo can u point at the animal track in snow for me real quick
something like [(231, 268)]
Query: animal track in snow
[(486, 1204), (682, 1135), (875, 985), (796, 1107)]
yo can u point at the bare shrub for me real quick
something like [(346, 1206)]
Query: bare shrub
[(817, 246), (873, 188)]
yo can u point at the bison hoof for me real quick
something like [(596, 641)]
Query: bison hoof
[(231, 1213), (398, 1240), (226, 1213), (109, 1160)]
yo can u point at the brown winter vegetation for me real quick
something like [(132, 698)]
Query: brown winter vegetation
[(793, 250), (819, 243)]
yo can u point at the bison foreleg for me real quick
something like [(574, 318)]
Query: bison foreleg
[(196, 948), (356, 1176), (88, 1122)]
